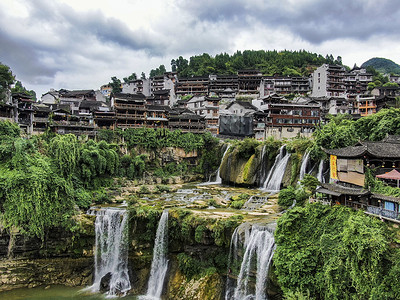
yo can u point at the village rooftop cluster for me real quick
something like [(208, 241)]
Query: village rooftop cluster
[(247, 104)]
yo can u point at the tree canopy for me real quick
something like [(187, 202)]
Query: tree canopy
[(6, 79)]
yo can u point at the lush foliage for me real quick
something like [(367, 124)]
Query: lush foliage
[(341, 131), (6, 79), (334, 253), (149, 138), (382, 65), (290, 63), (19, 88)]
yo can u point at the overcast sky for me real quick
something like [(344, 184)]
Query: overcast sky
[(81, 44)]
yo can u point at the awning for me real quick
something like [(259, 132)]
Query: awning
[(328, 192), (394, 174)]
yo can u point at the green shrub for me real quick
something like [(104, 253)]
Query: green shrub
[(144, 190), (162, 188), (83, 198), (286, 197), (238, 204), (188, 266)]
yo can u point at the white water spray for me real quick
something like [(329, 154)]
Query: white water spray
[(274, 179), (159, 265), (271, 171), (259, 248), (111, 252), (218, 179), (304, 164), (320, 175)]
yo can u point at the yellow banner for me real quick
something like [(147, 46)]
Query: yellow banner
[(334, 167)]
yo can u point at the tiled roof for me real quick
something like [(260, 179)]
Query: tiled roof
[(388, 148), (344, 190)]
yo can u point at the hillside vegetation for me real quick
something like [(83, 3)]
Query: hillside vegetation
[(290, 63), (382, 65)]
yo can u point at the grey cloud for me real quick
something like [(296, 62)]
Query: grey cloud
[(76, 26), (25, 61), (314, 21)]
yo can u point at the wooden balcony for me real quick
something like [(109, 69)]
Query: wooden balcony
[(131, 116), (130, 106)]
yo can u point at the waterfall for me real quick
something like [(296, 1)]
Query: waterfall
[(218, 179), (237, 240), (262, 172), (304, 164), (274, 179), (159, 264), (320, 175), (270, 172), (111, 253), (259, 247)]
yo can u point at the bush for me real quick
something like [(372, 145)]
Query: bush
[(247, 148), (144, 190), (83, 198), (237, 204), (162, 188), (286, 197)]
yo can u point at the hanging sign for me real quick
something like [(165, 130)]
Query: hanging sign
[(333, 167)]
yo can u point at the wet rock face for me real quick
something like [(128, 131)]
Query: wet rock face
[(105, 283), (32, 273)]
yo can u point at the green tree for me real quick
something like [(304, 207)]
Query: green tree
[(6, 80), (158, 72), (19, 88), (391, 84), (115, 85), (130, 78)]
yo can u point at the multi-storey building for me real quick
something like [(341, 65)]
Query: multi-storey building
[(192, 86), (23, 111), (41, 114), (290, 119), (207, 107), (138, 86), (130, 109), (219, 84), (284, 85), (328, 81), (356, 82), (157, 116), (365, 105), (186, 121), (249, 81), (65, 122)]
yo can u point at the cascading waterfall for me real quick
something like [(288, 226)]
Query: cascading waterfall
[(111, 253), (320, 175), (259, 247), (278, 158), (273, 183), (262, 171), (159, 265), (218, 179), (304, 164)]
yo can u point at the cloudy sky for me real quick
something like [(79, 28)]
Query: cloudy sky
[(80, 44)]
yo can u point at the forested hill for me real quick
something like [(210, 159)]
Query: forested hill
[(382, 65), (290, 63)]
